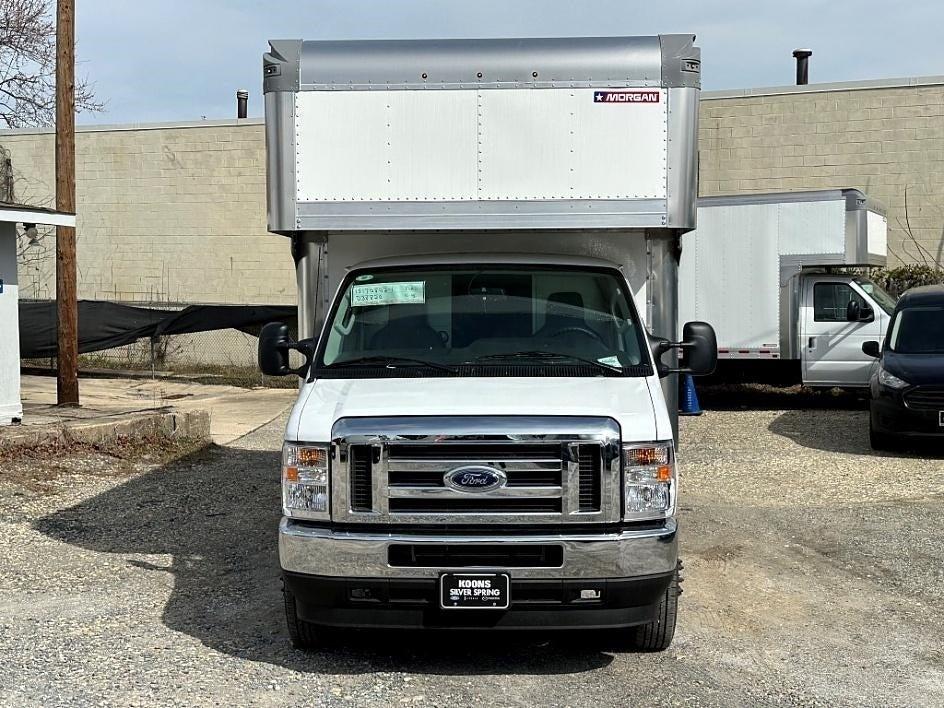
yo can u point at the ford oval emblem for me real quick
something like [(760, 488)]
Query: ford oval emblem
[(475, 478)]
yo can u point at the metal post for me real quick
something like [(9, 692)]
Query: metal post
[(67, 379), (153, 342)]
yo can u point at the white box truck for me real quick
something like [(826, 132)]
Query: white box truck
[(486, 237), (770, 273)]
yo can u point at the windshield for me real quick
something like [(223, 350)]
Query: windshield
[(918, 330), (485, 321), (881, 297)]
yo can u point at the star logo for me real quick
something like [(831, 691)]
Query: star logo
[(598, 97)]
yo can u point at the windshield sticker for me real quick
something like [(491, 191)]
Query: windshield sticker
[(364, 278), (610, 361), (412, 293)]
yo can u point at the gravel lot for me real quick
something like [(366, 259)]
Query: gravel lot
[(813, 576)]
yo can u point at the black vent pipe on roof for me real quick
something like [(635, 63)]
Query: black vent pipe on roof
[(242, 103), (803, 65)]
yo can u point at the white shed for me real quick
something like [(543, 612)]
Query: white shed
[(11, 409)]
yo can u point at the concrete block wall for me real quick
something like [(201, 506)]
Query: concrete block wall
[(166, 214), (883, 137)]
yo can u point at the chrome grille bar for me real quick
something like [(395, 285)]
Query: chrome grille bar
[(446, 493), (408, 465)]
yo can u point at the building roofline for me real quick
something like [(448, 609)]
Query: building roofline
[(117, 127), (25, 214), (871, 84)]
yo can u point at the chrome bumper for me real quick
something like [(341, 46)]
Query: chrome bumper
[(627, 554)]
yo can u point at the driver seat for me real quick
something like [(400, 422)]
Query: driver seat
[(408, 328)]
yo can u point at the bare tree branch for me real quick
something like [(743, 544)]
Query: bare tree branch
[(28, 61), (927, 258)]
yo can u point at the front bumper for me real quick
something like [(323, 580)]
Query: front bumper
[(312, 550), (890, 415), (349, 579), (370, 603)]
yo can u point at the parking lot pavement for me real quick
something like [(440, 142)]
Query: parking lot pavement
[(813, 576)]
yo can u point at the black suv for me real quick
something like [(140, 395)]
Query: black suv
[(907, 385)]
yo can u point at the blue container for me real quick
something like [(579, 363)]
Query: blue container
[(688, 397)]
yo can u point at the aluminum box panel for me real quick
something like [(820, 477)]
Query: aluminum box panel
[(877, 236), (482, 145), (567, 144), (729, 275), (810, 227), (385, 145)]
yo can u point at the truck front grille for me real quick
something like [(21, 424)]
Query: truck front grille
[(395, 471), (926, 398)]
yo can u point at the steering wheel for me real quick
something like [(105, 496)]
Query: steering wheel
[(577, 329)]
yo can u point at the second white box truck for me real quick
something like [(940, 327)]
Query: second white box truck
[(771, 274)]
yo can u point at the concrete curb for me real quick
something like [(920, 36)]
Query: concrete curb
[(192, 425)]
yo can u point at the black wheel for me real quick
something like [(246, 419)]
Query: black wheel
[(304, 635), (879, 440), (657, 635)]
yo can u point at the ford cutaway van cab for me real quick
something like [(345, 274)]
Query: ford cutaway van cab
[(481, 441)]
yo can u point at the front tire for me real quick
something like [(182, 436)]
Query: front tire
[(879, 441), (658, 634), (304, 635)]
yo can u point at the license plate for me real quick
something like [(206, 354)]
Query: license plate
[(474, 591)]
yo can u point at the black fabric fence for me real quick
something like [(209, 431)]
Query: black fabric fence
[(104, 325)]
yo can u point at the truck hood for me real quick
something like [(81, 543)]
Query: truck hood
[(635, 403)]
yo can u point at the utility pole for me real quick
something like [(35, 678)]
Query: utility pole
[(67, 375)]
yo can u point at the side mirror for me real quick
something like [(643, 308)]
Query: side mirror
[(274, 346), (872, 349), (859, 313), (852, 311), (699, 348)]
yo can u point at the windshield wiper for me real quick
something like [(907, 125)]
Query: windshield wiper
[(390, 362), (541, 354)]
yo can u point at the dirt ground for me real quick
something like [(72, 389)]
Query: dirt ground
[(813, 577)]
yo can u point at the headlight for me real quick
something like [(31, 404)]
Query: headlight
[(305, 481), (650, 481), (890, 380)]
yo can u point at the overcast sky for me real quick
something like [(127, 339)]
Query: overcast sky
[(169, 60)]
